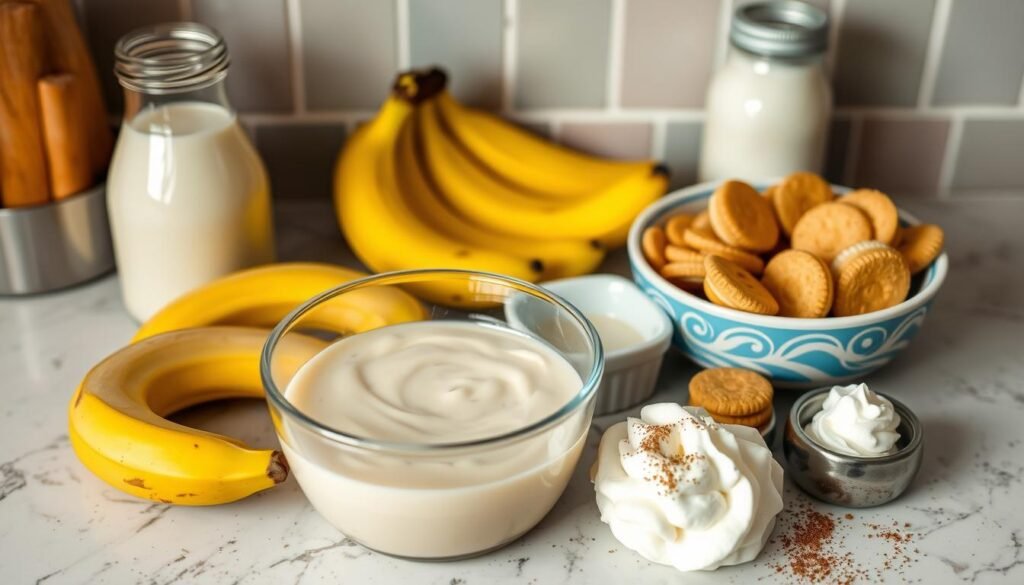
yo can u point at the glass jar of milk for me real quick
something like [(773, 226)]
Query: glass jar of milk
[(768, 107), (187, 194)]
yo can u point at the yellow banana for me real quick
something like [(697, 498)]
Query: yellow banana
[(118, 430), (560, 258), (383, 231), (615, 238), (262, 296), (529, 161), (495, 204)]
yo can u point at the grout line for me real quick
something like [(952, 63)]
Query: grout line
[(616, 48), (556, 130), (933, 111), (722, 42), (953, 141), (836, 12), (508, 55), (933, 54), (852, 150), (536, 115), (274, 119), (687, 114), (185, 10), (596, 115), (970, 195), (294, 16), (1020, 98), (82, 12), (659, 137), (402, 40), (666, 115)]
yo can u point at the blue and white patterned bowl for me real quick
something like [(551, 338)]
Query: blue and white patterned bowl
[(795, 353)]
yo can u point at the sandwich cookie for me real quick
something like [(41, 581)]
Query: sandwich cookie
[(733, 396), (796, 195), (869, 276), (728, 285), (801, 283), (707, 242), (829, 228), (742, 218), (653, 243), (885, 219), (921, 245)]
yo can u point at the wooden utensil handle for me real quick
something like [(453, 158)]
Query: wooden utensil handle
[(23, 173), (70, 54), (67, 146)]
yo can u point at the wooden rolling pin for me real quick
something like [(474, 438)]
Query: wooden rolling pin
[(67, 146), (70, 54), (23, 173)]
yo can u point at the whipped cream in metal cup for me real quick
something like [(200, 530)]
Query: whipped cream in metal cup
[(853, 420), (849, 480)]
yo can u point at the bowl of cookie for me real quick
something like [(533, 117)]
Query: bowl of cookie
[(805, 282)]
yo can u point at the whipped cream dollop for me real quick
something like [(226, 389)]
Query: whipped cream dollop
[(855, 421), (685, 491)]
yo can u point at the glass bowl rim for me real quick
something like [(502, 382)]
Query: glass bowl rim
[(579, 399)]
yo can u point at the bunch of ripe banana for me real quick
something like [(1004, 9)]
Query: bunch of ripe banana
[(431, 183), (206, 346)]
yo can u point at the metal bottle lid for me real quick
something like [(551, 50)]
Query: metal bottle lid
[(784, 28)]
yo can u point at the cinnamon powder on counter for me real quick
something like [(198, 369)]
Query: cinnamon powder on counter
[(815, 548)]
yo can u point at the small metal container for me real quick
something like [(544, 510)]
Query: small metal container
[(53, 246), (846, 480)]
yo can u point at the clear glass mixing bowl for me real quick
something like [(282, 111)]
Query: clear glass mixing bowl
[(433, 500)]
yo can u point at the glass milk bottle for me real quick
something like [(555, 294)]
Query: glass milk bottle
[(768, 107), (187, 194)]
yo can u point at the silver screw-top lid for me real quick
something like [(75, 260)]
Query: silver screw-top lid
[(170, 58), (780, 29)]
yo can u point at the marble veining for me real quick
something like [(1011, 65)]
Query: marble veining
[(964, 377)]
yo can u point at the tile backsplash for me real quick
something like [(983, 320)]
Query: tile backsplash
[(929, 93)]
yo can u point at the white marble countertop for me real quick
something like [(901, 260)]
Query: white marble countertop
[(964, 376)]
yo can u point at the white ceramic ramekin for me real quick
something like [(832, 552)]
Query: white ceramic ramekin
[(630, 373)]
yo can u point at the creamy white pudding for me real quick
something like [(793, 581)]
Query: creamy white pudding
[(615, 333), (422, 385)]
